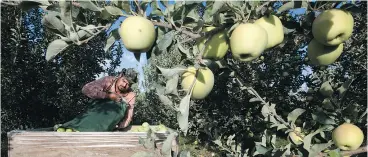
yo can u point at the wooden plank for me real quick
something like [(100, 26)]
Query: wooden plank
[(79, 144)]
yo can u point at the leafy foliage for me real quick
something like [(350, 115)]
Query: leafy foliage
[(252, 106)]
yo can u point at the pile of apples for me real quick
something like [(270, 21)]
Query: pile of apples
[(146, 126)]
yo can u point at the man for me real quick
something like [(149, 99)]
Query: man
[(111, 106)]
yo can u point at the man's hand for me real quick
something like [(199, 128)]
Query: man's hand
[(114, 97), (123, 125)]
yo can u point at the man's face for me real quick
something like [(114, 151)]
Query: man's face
[(122, 84)]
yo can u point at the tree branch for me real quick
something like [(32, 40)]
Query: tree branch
[(346, 153), (189, 33), (353, 152), (95, 34)]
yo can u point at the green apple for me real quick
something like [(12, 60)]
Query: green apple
[(348, 136), (162, 128), (333, 27), (145, 125), (326, 89), (137, 33), (203, 85), (69, 130), (294, 138), (216, 47), (320, 54), (60, 130), (275, 30), (248, 41)]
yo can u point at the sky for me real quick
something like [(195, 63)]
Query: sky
[(129, 61)]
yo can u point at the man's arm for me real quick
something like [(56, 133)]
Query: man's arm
[(96, 89), (129, 117)]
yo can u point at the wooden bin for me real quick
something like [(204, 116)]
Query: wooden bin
[(80, 144)]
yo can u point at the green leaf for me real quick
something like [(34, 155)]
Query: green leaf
[(322, 118), (80, 35), (184, 153), (322, 134), (169, 73), (113, 10), (66, 12), (75, 11), (344, 87), (183, 114), (287, 150), (169, 10), (166, 41), (293, 116), (157, 12), (327, 104), (165, 100), (159, 88), (55, 47), (193, 14), (279, 126), (114, 35), (317, 148), (260, 149), (218, 142), (166, 147), (145, 3), (217, 6), (183, 50), (334, 153), (207, 17), (307, 141), (326, 89), (254, 99), (52, 22), (88, 4), (192, 2), (172, 84), (125, 6), (292, 5)]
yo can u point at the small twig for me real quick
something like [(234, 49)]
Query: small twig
[(161, 24), (322, 5), (139, 7), (95, 34)]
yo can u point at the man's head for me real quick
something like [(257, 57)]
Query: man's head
[(127, 78)]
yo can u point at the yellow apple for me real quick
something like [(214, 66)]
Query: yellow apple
[(137, 33), (348, 136), (294, 138), (320, 54), (275, 30), (333, 27), (216, 47), (248, 41), (326, 89), (145, 124), (60, 130), (203, 85)]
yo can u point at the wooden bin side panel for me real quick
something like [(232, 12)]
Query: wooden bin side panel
[(77, 144)]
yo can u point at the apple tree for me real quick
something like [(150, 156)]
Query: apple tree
[(233, 70)]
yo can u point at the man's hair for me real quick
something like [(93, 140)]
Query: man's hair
[(130, 74)]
